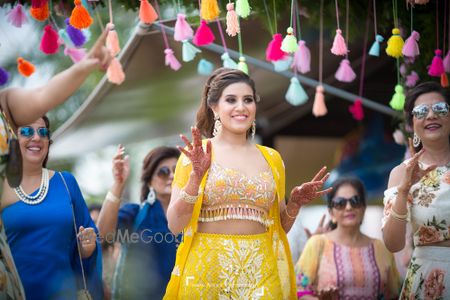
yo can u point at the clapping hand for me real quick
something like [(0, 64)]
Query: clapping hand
[(200, 158), (88, 241), (305, 193)]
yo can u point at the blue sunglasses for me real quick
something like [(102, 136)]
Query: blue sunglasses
[(28, 132)]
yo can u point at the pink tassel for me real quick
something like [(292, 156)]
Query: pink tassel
[(112, 41), (412, 79), (302, 58), (411, 47), (339, 46), (171, 60), (232, 20), (356, 109), (17, 16), (49, 42), (115, 72), (447, 62), (204, 35), (76, 54), (183, 31), (273, 51), (345, 72), (437, 65), (319, 107)]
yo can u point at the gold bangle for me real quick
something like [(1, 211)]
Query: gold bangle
[(287, 214), (111, 197), (188, 198), (398, 216)]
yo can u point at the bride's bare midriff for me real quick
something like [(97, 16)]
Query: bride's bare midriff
[(236, 227)]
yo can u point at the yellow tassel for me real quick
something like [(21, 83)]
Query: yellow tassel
[(395, 44), (209, 10)]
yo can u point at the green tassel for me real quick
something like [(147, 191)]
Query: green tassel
[(242, 65), (295, 94), (228, 62), (289, 44), (242, 8), (189, 51), (398, 100)]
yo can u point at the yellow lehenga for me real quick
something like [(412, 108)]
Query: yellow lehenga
[(222, 266)]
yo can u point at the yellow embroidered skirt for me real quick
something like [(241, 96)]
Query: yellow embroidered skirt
[(223, 266)]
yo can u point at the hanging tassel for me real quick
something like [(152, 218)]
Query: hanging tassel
[(398, 100), (25, 67), (295, 94), (49, 41), (209, 10), (412, 79), (75, 54), (228, 62), (339, 46), (205, 67), (356, 109), (375, 48), (345, 72), (411, 47), (273, 50), (204, 35), (395, 44), (4, 76), (282, 64), (183, 31), (289, 44), (115, 72), (17, 16), (242, 8), (40, 13), (444, 80), (447, 62), (112, 41), (232, 20), (76, 35), (65, 37), (147, 13), (302, 58), (319, 107), (171, 60), (189, 51), (80, 17), (242, 65), (437, 65)]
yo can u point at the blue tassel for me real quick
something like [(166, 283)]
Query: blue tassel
[(375, 48), (4, 76), (295, 94), (67, 41), (228, 62), (189, 51), (205, 67), (283, 64), (87, 34)]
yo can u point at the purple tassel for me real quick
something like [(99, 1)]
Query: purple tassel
[(345, 72), (411, 79), (4, 76), (411, 47), (76, 35)]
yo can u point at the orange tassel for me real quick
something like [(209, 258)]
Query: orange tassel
[(25, 67), (40, 13), (115, 72), (80, 17), (112, 41), (444, 80), (319, 107), (147, 13)]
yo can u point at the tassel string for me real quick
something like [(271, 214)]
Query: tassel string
[(292, 12), (445, 28), (337, 14), (274, 16), (269, 21), (239, 37), (222, 37), (163, 31), (437, 24), (412, 19), (347, 21), (110, 12), (297, 16), (375, 27), (321, 43), (394, 13), (363, 64)]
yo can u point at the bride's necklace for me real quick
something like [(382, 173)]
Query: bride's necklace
[(40, 195)]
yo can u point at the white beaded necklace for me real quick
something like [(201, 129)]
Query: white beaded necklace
[(40, 195)]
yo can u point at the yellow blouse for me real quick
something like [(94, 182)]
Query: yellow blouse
[(276, 232)]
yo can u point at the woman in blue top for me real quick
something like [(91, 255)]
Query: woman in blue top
[(39, 224), (148, 247)]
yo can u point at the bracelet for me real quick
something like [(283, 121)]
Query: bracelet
[(290, 217), (188, 198), (111, 197), (398, 216)]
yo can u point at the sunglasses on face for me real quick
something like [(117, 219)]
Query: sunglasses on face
[(164, 172), (28, 132), (340, 203), (421, 111)]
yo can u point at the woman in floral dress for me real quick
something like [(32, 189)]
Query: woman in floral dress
[(419, 192)]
